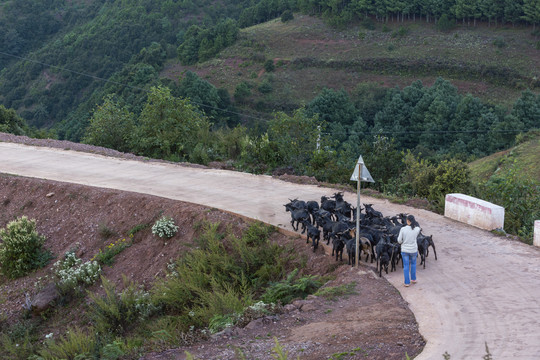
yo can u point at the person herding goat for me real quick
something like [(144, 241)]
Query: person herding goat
[(409, 249)]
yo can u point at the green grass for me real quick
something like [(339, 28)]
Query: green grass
[(523, 157), (334, 292)]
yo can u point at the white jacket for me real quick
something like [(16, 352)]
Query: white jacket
[(407, 239)]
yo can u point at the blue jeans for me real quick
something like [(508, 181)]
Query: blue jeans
[(409, 265)]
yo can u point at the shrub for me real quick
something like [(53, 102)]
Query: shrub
[(445, 24), (519, 194), (72, 272), (18, 341), (269, 65), (221, 276), (419, 173), (76, 344), (164, 227), (137, 228), (434, 182), (499, 42), (368, 23), (106, 256), (105, 232), (401, 32), (265, 87), (21, 249), (20, 348), (450, 176), (242, 91), (287, 15), (115, 312), (289, 289)]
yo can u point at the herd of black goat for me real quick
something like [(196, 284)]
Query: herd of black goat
[(337, 220)]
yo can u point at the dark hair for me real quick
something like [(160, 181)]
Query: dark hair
[(412, 220)]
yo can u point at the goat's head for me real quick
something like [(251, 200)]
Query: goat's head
[(338, 196)]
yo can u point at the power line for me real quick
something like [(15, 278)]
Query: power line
[(262, 118), (435, 132)]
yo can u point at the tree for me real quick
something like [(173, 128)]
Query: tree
[(188, 51), (450, 176), (383, 160), (242, 91), (395, 118), (200, 92), (369, 98), (10, 122), (468, 112), (287, 15), (295, 137), (111, 126), (169, 127), (527, 110), (434, 112), (513, 9), (531, 11), (333, 107)]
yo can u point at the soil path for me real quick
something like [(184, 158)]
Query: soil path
[(482, 289)]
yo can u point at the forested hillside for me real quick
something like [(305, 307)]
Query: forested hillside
[(419, 88), (57, 56)]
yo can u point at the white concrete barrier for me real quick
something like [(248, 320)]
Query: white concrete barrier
[(536, 241), (473, 211)]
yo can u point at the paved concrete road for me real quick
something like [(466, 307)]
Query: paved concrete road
[(483, 289)]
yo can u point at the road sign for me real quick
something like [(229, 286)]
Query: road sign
[(365, 176)]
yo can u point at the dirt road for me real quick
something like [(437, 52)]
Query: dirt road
[(483, 288)]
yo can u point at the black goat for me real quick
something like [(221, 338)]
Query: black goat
[(298, 216), (339, 228), (297, 204), (372, 213), (327, 227), (351, 251), (338, 244), (423, 243), (342, 206), (312, 208), (322, 216), (314, 233), (327, 204), (432, 244), (384, 262), (366, 247)]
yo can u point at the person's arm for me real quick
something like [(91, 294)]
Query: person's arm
[(400, 236)]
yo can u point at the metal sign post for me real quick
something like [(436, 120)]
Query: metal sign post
[(361, 173)]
